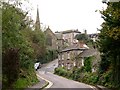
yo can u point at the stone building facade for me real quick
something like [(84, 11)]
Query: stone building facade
[(69, 36), (51, 39), (68, 57)]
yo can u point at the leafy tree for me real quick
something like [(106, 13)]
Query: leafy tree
[(110, 40), (13, 22), (37, 40), (11, 66), (81, 37), (39, 43)]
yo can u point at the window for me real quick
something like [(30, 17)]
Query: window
[(82, 62), (49, 40), (62, 57), (68, 65), (74, 64), (68, 55), (59, 57)]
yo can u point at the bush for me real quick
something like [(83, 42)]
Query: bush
[(14, 22), (93, 79), (10, 67), (50, 55), (78, 74), (106, 79), (69, 74), (88, 66)]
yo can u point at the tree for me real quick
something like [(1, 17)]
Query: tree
[(11, 66), (13, 22), (82, 37), (110, 40)]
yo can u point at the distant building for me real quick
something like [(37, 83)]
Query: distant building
[(69, 36), (68, 57), (66, 38), (94, 36), (60, 41), (51, 39), (37, 23)]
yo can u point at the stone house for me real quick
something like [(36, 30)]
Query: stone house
[(88, 53), (68, 57), (69, 36), (60, 41)]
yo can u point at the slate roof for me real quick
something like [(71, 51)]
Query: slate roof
[(58, 35), (75, 47), (48, 31), (69, 31), (88, 52)]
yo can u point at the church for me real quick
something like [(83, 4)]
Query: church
[(51, 38)]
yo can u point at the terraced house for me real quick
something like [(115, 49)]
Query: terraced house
[(69, 49), (68, 57)]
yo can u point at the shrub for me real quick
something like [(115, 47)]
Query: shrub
[(10, 66), (106, 78), (88, 66)]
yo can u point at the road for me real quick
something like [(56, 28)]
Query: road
[(58, 81)]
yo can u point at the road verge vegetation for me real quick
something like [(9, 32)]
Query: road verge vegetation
[(85, 75), (17, 52), (22, 46)]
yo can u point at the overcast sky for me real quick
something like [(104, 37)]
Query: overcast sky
[(63, 15)]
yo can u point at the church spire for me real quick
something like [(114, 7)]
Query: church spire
[(37, 24)]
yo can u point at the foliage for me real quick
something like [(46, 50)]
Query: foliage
[(87, 64), (17, 33), (60, 71), (82, 74), (82, 37), (27, 80), (78, 75), (104, 64), (13, 21), (49, 56), (89, 78), (11, 66), (37, 42), (105, 79), (109, 41)]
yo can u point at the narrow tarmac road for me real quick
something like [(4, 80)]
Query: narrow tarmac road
[(61, 82)]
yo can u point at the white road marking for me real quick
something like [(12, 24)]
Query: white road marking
[(50, 83), (77, 82), (92, 87)]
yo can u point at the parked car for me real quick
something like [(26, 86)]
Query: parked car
[(37, 65)]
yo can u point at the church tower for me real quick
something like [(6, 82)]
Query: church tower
[(37, 23)]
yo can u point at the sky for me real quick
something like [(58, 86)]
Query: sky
[(62, 15)]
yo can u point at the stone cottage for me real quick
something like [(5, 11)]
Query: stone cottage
[(68, 57)]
